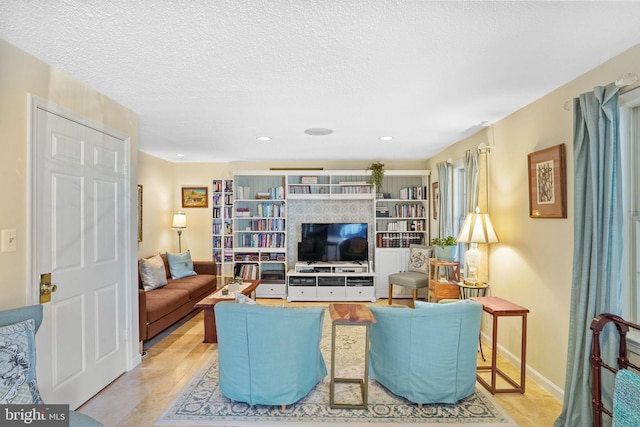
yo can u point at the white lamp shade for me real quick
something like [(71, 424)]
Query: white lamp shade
[(477, 228), (179, 221)]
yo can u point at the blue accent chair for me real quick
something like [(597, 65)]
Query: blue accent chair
[(268, 355), (427, 354), (16, 315)]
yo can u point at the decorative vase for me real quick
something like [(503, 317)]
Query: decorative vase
[(448, 253)]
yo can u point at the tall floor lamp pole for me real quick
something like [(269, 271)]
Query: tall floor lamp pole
[(179, 223)]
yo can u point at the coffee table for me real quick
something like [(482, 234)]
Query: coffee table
[(208, 303)]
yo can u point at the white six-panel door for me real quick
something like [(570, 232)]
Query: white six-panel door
[(80, 238)]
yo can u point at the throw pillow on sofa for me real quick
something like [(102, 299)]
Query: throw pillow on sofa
[(18, 364), (180, 265), (152, 273)]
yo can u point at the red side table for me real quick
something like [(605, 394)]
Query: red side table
[(498, 307)]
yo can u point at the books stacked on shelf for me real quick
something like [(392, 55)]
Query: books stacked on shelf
[(228, 242), (397, 226), (267, 224), (406, 210), (300, 189), (263, 195), (413, 193), (399, 240), (243, 193), (261, 240), (217, 241), (215, 212), (217, 186), (382, 211), (216, 199), (271, 210), (277, 193), (216, 228), (243, 212), (246, 271), (217, 257), (228, 199), (228, 186), (227, 211), (355, 187)]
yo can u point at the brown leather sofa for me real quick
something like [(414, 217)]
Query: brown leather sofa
[(162, 307)]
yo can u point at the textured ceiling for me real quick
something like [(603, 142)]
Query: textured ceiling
[(209, 76)]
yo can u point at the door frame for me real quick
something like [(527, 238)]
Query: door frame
[(131, 333)]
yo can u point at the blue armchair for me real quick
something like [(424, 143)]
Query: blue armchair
[(17, 336), (428, 354), (268, 355)]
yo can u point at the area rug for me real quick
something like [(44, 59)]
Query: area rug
[(201, 403)]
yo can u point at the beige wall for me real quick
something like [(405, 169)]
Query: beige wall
[(21, 74), (532, 264)]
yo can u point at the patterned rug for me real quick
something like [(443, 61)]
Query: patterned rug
[(201, 403)]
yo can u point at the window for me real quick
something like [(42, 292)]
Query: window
[(630, 150)]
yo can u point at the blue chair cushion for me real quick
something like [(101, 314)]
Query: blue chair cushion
[(426, 355), (268, 355)]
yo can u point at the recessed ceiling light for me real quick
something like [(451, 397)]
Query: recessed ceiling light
[(318, 131), (385, 138), (263, 138), (180, 155)]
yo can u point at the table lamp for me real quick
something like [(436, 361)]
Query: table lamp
[(477, 228), (179, 224)]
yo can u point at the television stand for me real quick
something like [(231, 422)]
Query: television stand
[(331, 281)]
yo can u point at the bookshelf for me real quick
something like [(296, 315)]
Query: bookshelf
[(402, 219), (260, 231), (222, 226)]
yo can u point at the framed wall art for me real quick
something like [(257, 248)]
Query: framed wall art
[(548, 183), (195, 197)]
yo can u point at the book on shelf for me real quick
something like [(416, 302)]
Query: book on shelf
[(243, 192)]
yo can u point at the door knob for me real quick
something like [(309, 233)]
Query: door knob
[(46, 288)]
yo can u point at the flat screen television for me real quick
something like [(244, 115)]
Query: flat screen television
[(333, 242)]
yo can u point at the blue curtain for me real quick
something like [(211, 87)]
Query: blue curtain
[(445, 219), (597, 259), (471, 181)]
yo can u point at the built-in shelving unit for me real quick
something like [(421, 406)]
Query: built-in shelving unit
[(222, 226), (260, 231), (335, 185), (322, 281), (402, 219), (269, 207)]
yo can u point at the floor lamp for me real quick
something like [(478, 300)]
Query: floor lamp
[(477, 228), (179, 224)]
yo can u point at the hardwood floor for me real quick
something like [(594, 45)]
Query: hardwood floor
[(139, 396)]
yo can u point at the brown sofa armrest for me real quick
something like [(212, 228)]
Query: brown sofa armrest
[(205, 267), (142, 314)]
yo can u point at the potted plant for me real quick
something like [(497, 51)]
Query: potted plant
[(377, 175), (445, 247)]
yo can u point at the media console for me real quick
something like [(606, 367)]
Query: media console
[(339, 281)]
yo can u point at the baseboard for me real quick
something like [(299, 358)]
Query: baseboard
[(532, 374)]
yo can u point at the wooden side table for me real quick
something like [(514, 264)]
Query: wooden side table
[(447, 288), (352, 315), (498, 307)]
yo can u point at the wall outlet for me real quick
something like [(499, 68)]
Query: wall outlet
[(8, 239)]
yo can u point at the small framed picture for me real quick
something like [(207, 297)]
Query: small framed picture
[(548, 183), (195, 197)]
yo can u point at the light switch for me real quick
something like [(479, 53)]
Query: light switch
[(8, 239)]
